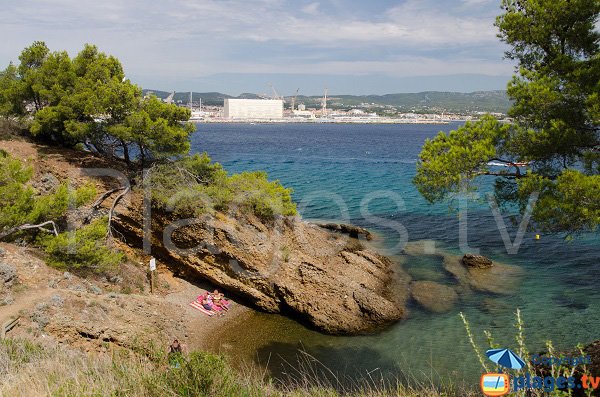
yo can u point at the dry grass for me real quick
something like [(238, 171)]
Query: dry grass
[(30, 369)]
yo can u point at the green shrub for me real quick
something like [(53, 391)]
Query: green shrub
[(203, 168), (194, 185), (253, 191), (55, 205), (19, 202), (83, 248), (16, 198)]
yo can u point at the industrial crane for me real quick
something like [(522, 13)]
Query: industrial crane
[(294, 99), (275, 93)]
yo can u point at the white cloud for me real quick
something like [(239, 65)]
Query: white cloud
[(414, 23), (311, 9), (201, 37), (477, 2)]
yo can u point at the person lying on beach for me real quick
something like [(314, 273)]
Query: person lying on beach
[(219, 301), (208, 305)]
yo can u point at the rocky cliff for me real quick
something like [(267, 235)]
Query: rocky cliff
[(323, 278)]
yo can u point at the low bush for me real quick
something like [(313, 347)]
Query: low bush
[(20, 203), (194, 185), (84, 248)]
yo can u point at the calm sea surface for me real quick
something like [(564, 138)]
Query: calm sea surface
[(362, 174)]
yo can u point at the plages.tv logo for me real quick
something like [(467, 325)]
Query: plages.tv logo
[(499, 383), (495, 384)]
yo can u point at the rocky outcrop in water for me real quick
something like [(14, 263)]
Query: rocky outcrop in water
[(477, 261), (499, 279), (470, 272), (434, 297), (325, 279)]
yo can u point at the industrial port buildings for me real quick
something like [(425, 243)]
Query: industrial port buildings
[(253, 109)]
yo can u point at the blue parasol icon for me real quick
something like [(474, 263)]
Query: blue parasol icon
[(505, 358)]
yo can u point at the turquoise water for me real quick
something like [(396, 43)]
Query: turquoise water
[(327, 164)]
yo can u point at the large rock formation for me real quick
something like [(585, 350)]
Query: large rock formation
[(326, 279)]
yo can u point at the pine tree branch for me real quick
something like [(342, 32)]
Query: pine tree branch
[(28, 226), (112, 209), (99, 202)]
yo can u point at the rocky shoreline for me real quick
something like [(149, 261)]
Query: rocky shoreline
[(324, 279), (319, 274)]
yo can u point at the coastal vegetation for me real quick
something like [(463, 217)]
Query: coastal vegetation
[(555, 130), (20, 204), (82, 249), (202, 186), (29, 368), (89, 101), (39, 219)]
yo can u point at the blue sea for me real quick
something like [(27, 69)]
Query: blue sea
[(362, 174)]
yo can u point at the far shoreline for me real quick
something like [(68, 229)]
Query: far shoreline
[(284, 121)]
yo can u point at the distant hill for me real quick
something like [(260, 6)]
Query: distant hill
[(482, 101), (422, 102)]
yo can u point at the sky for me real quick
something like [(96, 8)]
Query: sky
[(234, 46)]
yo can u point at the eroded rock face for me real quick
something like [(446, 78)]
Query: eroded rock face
[(435, 297), (325, 279)]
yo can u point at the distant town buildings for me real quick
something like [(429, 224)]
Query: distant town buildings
[(253, 109), (279, 110)]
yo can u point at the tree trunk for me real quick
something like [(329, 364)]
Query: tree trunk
[(142, 155), (125, 152)]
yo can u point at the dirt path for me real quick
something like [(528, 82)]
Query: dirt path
[(25, 301)]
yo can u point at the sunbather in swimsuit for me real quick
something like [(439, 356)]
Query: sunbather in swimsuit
[(219, 301), (206, 304)]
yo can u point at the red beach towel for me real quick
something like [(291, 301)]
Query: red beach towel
[(198, 306)]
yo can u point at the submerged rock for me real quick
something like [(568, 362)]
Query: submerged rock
[(471, 272), (500, 279), (477, 261), (325, 279), (435, 297)]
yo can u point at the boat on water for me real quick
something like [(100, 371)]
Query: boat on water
[(509, 164)]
